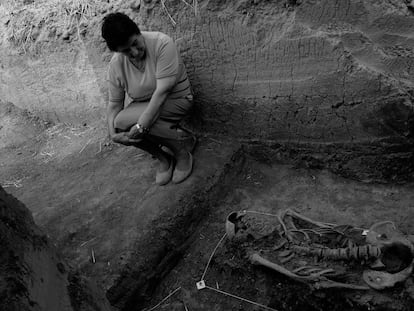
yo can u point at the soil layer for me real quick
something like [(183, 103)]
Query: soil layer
[(299, 104)]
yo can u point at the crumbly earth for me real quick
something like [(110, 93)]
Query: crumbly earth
[(314, 70), (33, 274), (138, 241), (271, 188), (300, 104)]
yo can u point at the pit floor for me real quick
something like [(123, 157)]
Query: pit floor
[(317, 194), (98, 203)]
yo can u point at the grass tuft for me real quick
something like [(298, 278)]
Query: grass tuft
[(30, 22)]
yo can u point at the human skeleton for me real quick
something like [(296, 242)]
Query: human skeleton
[(324, 255)]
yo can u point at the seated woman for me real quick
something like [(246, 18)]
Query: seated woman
[(148, 68)]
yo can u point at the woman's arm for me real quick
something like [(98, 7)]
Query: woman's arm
[(151, 113), (112, 109), (162, 89)]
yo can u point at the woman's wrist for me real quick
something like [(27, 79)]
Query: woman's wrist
[(141, 129), (144, 121)]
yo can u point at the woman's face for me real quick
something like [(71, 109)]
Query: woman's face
[(135, 48)]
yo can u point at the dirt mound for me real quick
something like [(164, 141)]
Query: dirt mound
[(33, 276), (31, 24), (18, 125)]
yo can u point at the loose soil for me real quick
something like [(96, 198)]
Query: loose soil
[(138, 241), (269, 188), (98, 203)]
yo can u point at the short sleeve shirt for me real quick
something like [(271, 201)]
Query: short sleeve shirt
[(162, 60)]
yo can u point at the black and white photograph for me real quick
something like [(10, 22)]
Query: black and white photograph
[(206, 155)]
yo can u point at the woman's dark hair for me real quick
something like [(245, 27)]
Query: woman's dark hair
[(117, 28)]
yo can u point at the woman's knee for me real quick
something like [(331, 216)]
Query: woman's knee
[(120, 122), (130, 115), (124, 120)]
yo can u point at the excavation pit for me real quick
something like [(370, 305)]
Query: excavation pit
[(140, 242), (257, 186), (306, 105)]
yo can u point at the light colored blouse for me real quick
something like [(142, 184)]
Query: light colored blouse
[(162, 60)]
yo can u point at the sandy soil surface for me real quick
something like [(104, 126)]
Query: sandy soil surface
[(34, 275), (270, 188), (314, 70), (98, 203)]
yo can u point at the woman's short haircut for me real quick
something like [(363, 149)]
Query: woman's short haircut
[(117, 28)]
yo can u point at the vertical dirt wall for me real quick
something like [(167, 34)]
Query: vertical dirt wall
[(316, 70), (311, 70), (32, 275), (59, 85)]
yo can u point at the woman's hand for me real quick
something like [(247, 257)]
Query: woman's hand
[(135, 133), (123, 139)]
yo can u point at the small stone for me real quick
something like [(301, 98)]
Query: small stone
[(135, 4), (61, 267), (35, 33), (66, 35)]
